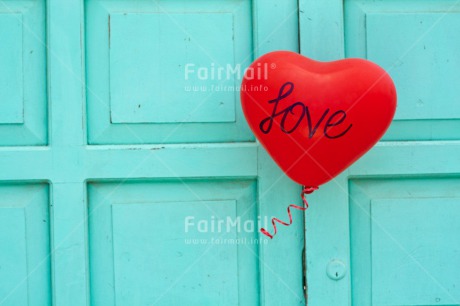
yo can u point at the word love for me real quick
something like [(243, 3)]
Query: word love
[(301, 110)]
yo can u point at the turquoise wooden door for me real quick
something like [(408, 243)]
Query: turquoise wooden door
[(386, 231), (115, 172)]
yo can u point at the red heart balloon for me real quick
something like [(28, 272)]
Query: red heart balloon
[(316, 118)]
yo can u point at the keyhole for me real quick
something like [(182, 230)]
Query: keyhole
[(336, 269)]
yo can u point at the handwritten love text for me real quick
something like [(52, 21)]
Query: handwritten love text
[(298, 111)]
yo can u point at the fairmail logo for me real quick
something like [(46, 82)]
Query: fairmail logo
[(227, 72), (223, 225)]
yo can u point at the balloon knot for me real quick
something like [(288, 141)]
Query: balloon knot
[(308, 189)]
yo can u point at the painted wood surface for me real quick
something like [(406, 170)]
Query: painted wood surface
[(104, 154), (385, 232)]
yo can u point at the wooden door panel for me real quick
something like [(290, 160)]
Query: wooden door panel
[(167, 73), (139, 85), (415, 42), (23, 110), (169, 243), (12, 72), (25, 264), (404, 241), (390, 221)]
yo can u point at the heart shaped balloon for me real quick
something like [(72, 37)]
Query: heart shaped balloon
[(316, 118)]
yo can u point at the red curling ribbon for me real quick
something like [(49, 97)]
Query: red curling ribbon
[(305, 191)]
